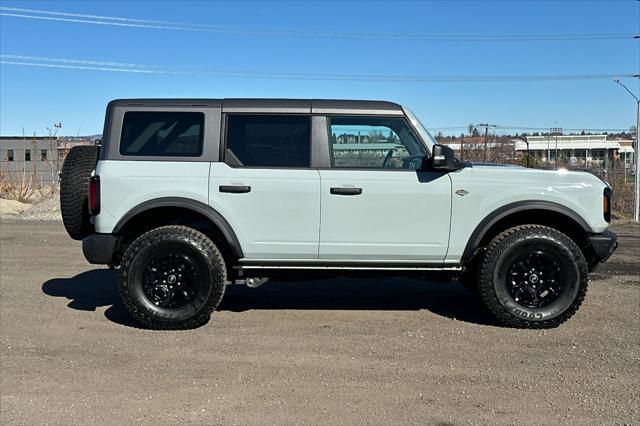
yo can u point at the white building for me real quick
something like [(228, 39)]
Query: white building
[(592, 151)]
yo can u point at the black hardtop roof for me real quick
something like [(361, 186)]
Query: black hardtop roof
[(272, 105)]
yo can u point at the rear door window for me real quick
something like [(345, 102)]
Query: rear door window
[(162, 134), (268, 141)]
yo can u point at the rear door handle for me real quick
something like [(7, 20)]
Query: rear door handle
[(235, 189), (346, 191)]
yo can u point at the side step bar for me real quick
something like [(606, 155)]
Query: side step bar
[(246, 271), (351, 268)]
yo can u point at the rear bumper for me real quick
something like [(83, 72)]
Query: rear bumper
[(98, 248), (603, 245)]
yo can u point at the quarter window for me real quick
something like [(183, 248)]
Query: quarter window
[(162, 134), (268, 141), (374, 142)]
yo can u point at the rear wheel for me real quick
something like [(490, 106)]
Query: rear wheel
[(172, 277), (74, 181), (533, 276)]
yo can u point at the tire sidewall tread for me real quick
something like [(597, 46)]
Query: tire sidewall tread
[(493, 263), (74, 181), (158, 319)]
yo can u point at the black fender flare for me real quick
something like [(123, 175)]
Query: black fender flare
[(207, 211), (492, 218)]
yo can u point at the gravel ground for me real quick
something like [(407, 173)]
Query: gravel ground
[(47, 209), (333, 352)]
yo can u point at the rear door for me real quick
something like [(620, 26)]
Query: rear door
[(265, 187), (376, 204)]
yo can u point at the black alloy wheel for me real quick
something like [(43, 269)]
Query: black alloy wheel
[(532, 276), (172, 277), (534, 280)]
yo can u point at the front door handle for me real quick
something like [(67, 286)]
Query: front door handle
[(235, 189), (346, 191)]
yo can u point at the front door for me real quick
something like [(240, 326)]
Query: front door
[(375, 204), (265, 188)]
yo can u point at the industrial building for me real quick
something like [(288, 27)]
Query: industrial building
[(39, 158)]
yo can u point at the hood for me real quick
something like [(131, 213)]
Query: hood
[(473, 164), (510, 173)]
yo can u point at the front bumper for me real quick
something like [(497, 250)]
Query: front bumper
[(602, 247), (99, 248)]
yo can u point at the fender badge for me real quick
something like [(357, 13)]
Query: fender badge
[(462, 192)]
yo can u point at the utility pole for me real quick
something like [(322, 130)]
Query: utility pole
[(555, 131), (636, 151), (486, 136)]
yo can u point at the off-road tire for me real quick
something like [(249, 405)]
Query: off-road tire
[(211, 268), (74, 181), (503, 250)]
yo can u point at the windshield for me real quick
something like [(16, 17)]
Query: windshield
[(422, 131)]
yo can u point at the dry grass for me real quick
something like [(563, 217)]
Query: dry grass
[(623, 196), (25, 186)]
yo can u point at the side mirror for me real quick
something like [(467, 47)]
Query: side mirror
[(443, 158)]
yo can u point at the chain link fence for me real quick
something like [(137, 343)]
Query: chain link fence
[(615, 170)]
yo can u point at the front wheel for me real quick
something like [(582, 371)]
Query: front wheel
[(172, 277), (533, 276)]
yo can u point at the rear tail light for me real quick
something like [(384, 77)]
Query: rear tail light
[(606, 204), (94, 195)]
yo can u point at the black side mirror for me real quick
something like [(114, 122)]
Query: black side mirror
[(443, 158)]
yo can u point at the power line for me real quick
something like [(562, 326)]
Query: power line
[(47, 62), (76, 61), (548, 129), (39, 14)]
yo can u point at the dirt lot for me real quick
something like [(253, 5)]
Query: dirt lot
[(334, 352)]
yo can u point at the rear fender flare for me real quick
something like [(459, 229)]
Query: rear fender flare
[(207, 211)]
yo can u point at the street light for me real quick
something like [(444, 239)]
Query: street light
[(636, 150), (523, 139)]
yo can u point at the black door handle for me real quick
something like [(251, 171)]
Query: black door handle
[(346, 191), (235, 189)]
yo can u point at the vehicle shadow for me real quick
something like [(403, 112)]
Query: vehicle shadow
[(91, 290), (97, 288), (448, 299)]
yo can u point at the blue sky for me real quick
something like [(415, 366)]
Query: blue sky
[(34, 98)]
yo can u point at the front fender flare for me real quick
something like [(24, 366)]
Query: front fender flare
[(492, 218)]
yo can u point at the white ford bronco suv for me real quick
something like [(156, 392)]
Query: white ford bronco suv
[(185, 196)]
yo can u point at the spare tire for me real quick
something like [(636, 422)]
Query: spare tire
[(74, 183)]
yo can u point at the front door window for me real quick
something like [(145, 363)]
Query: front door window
[(374, 143)]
